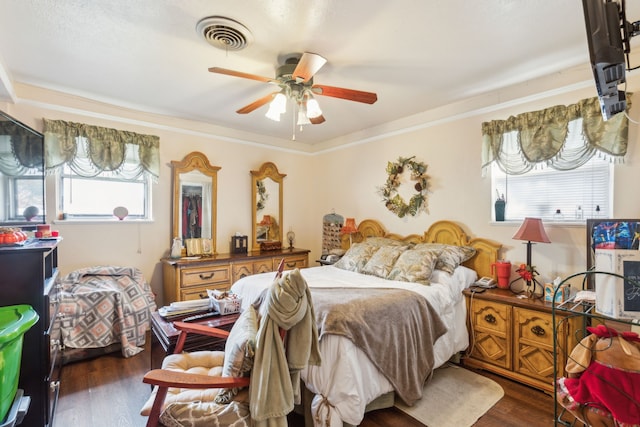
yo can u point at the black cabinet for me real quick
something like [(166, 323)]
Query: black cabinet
[(28, 276)]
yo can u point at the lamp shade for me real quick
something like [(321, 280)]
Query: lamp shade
[(266, 220), (532, 230), (349, 226)]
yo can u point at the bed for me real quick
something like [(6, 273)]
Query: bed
[(349, 382)]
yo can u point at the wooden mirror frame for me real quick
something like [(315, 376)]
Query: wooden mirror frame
[(267, 170), (194, 161)]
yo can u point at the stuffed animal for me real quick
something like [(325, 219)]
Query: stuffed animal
[(602, 387)]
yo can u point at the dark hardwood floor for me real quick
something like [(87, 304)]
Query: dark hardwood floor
[(108, 392)]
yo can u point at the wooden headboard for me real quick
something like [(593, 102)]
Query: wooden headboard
[(446, 232)]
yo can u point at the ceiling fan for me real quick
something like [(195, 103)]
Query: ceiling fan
[(295, 79)]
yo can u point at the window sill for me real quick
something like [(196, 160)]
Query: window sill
[(581, 223), (102, 221)]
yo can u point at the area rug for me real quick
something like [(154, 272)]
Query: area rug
[(455, 397)]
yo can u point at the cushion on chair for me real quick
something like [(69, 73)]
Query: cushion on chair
[(206, 414), (239, 351)]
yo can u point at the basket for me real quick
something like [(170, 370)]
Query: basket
[(227, 305), (15, 321), (223, 303)]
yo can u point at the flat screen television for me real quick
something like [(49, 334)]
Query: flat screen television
[(607, 37), (22, 173)]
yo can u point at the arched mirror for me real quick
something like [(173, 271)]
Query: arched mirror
[(195, 189), (266, 196)]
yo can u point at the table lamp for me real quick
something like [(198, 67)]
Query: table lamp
[(349, 228), (531, 230)]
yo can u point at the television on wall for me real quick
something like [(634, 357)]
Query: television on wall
[(608, 35), (22, 174)]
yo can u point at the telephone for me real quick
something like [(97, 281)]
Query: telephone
[(330, 258), (485, 282)]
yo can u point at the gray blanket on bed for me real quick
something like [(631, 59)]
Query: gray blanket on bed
[(395, 328)]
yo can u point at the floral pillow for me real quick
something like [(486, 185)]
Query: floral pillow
[(356, 257), (239, 351), (450, 256), (383, 241), (383, 260), (414, 265)]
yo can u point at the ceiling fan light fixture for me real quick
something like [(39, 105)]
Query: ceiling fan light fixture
[(277, 107), (313, 108), (302, 118)]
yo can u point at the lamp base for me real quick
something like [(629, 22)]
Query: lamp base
[(529, 289)]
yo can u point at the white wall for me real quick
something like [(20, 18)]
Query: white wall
[(451, 149), (345, 180)]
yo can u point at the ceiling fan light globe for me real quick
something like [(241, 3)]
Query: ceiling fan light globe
[(279, 103), (313, 109), (303, 119), (272, 114)]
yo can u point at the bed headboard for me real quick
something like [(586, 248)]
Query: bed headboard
[(446, 232)]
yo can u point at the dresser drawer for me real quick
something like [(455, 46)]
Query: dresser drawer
[(291, 262), (196, 292), (205, 276), (534, 327), (491, 316)]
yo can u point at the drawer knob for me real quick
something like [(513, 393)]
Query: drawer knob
[(291, 264), (490, 318), (538, 330), (206, 276)]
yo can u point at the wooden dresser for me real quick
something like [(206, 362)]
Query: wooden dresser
[(185, 279), (513, 337)]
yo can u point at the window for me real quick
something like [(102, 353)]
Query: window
[(96, 197), (578, 194), (22, 192), (556, 163), (100, 169)]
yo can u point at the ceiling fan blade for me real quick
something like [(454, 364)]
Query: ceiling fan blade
[(241, 74), (348, 94), (317, 120), (256, 104), (308, 65)]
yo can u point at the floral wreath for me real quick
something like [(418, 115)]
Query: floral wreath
[(392, 200), (262, 195)]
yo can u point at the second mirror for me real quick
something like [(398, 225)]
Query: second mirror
[(266, 197)]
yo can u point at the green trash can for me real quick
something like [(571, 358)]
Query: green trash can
[(15, 321)]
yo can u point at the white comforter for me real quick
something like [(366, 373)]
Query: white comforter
[(347, 380)]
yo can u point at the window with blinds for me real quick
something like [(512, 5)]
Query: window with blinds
[(557, 195)]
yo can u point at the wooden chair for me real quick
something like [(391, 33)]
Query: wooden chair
[(165, 379)]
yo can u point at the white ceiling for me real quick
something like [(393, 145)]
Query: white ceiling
[(415, 54)]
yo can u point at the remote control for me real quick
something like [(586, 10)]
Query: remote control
[(200, 316)]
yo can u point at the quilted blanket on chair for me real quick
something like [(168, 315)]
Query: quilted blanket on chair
[(106, 305)]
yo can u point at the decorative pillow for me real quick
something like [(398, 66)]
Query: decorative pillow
[(383, 241), (450, 256), (239, 351), (462, 277), (356, 257), (414, 265), (381, 263)]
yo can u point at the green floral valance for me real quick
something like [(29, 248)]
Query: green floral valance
[(90, 150), (540, 136)]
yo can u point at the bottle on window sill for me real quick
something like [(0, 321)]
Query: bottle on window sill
[(558, 215)]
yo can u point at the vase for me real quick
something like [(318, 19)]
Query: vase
[(499, 209)]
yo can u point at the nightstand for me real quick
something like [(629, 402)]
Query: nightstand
[(513, 336)]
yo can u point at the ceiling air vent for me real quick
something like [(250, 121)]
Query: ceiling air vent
[(224, 33)]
